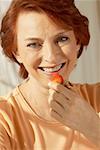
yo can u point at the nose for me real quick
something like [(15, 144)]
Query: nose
[(53, 54)]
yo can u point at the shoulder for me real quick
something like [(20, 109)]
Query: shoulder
[(3, 103), (8, 111), (5, 109), (87, 87), (88, 90), (91, 93), (6, 102), (5, 115), (6, 124)]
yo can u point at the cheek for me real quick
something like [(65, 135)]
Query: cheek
[(72, 56), (71, 53), (72, 62), (31, 60)]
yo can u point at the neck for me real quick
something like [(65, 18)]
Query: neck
[(37, 88), (37, 97)]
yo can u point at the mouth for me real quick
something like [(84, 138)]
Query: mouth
[(52, 69)]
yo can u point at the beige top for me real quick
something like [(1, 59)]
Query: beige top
[(22, 129)]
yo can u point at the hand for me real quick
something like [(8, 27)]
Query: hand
[(69, 108)]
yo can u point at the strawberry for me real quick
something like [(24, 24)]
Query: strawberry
[(57, 78)]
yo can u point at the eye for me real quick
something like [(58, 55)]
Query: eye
[(34, 45), (61, 41)]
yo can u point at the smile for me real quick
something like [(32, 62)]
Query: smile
[(52, 69)]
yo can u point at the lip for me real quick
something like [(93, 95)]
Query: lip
[(63, 64)]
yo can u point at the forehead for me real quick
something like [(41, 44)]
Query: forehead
[(34, 22)]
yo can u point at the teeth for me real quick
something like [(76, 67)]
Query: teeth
[(52, 69)]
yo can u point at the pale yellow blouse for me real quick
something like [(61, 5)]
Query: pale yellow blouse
[(22, 129)]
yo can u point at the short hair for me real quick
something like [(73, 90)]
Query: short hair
[(62, 12)]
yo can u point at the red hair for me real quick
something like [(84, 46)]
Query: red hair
[(62, 12)]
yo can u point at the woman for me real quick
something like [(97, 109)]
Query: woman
[(44, 37)]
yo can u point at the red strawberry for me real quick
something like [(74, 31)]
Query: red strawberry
[(57, 78)]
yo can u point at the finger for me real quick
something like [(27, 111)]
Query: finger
[(68, 93), (60, 118), (55, 115), (51, 92), (51, 95), (57, 107), (62, 100)]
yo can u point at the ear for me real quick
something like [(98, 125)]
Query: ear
[(17, 56)]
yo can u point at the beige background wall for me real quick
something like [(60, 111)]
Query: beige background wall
[(88, 67)]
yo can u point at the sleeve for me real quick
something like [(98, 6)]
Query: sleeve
[(5, 143), (4, 139), (91, 93)]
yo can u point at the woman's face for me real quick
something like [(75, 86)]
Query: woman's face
[(44, 47)]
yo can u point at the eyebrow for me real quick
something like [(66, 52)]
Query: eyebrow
[(61, 33), (35, 38), (32, 38)]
